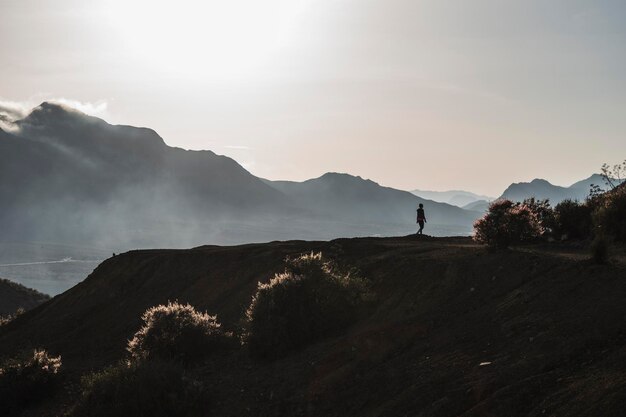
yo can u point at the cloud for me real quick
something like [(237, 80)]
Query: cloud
[(238, 147), (11, 111), (98, 108)]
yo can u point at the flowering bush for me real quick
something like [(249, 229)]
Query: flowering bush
[(178, 332), (506, 223)]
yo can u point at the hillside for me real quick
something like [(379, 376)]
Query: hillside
[(456, 330), (14, 296)]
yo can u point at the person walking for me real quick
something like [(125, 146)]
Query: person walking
[(421, 218)]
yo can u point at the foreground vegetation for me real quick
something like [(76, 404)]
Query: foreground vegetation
[(311, 299)]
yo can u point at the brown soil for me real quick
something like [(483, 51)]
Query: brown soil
[(455, 331)]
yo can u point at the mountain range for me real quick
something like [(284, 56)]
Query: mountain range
[(69, 177), (538, 188)]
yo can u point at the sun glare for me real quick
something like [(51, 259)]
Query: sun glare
[(213, 39)]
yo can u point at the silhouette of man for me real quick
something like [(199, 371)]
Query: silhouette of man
[(421, 218)]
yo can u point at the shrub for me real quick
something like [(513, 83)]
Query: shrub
[(573, 219), (177, 332), (306, 302), (506, 223), (146, 388), (27, 380), (610, 215)]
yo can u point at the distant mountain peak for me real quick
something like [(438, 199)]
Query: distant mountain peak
[(55, 114), (56, 122), (332, 174)]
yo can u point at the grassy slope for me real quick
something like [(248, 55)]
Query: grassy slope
[(551, 329)]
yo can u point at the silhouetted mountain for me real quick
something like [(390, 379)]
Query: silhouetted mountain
[(14, 296), (457, 198), (66, 176), (542, 189)]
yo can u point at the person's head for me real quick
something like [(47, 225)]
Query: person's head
[(421, 205)]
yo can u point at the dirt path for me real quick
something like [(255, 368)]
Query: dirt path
[(574, 252)]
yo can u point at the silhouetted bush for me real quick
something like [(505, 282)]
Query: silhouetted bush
[(543, 213), (600, 250), (177, 332), (573, 220), (610, 215), (146, 388), (306, 302), (506, 223), (27, 380)]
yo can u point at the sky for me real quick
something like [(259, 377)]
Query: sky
[(428, 94)]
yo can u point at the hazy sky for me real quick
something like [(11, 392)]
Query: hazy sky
[(431, 94)]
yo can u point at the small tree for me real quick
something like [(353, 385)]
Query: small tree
[(177, 332), (610, 215), (614, 175), (573, 219)]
